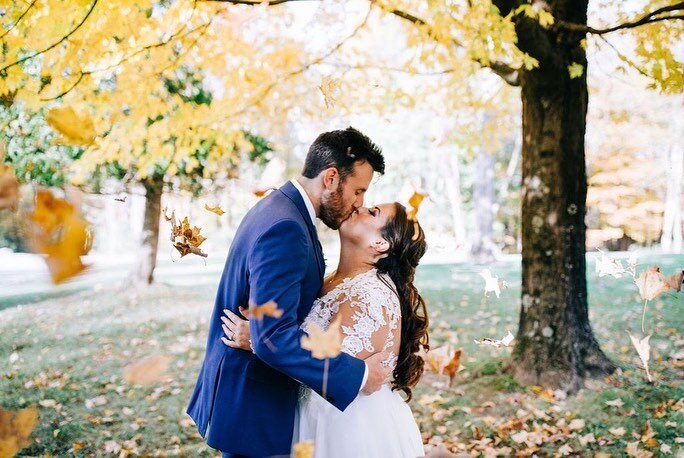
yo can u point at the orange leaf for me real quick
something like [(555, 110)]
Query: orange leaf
[(258, 312), (215, 209), (9, 188), (451, 369), (147, 371)]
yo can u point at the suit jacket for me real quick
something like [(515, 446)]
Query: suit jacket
[(247, 400)]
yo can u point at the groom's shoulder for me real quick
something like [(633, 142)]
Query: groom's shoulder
[(273, 208)]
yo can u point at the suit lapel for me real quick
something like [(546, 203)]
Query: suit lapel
[(293, 194)]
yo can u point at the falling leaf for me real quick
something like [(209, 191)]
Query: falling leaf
[(15, 428), (324, 344), (451, 369), (303, 449), (438, 359), (58, 231), (492, 283), (215, 209), (608, 266), (505, 342), (262, 192), (330, 88), (120, 199), (575, 70), (617, 432), (147, 371), (76, 129), (9, 188), (258, 312), (414, 203), (185, 239), (651, 283), (675, 281), (643, 349)]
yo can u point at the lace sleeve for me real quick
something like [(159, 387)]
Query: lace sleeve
[(370, 314)]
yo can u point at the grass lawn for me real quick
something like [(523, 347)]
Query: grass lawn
[(66, 355)]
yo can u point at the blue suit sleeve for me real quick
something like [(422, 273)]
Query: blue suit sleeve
[(277, 264)]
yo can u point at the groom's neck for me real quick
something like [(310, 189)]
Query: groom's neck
[(313, 189)]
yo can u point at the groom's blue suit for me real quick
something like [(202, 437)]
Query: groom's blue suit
[(248, 400)]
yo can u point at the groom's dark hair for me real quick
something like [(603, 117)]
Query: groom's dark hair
[(341, 149)]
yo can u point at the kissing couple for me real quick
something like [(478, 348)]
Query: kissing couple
[(259, 392)]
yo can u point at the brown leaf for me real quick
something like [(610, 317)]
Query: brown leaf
[(451, 369), (324, 344), (675, 281), (147, 371), (184, 238), (15, 428), (215, 209)]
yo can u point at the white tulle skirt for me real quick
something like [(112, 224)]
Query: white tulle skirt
[(379, 425)]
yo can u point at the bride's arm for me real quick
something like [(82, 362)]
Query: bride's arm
[(236, 330), (366, 327)]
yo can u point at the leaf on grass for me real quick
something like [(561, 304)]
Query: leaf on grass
[(15, 428), (215, 209), (492, 283), (95, 402), (505, 342), (147, 371), (617, 432), (9, 188), (185, 239), (258, 312), (643, 349), (76, 129), (303, 449), (615, 403), (324, 344), (330, 88), (651, 283), (632, 449), (58, 231)]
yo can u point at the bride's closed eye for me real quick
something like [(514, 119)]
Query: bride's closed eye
[(374, 211)]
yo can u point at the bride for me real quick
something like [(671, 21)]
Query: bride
[(372, 292)]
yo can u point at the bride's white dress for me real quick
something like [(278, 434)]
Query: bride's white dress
[(379, 425)]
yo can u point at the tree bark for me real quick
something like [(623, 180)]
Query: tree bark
[(555, 345), (154, 188)]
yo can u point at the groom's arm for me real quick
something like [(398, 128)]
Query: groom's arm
[(277, 265)]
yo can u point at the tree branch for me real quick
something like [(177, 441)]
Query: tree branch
[(648, 18), (63, 39), (18, 19), (509, 74)]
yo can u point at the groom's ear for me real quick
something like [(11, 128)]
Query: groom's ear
[(331, 178)]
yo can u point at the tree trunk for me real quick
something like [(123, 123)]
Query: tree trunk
[(671, 239), (482, 249), (555, 345), (154, 187), (453, 190)]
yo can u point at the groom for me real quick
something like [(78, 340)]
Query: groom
[(248, 400)]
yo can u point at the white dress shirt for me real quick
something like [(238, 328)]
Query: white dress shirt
[(312, 214)]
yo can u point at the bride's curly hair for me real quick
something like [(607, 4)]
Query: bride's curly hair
[(406, 246)]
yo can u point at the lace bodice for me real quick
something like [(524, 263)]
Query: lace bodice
[(370, 314)]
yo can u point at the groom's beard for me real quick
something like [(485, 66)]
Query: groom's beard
[(332, 209)]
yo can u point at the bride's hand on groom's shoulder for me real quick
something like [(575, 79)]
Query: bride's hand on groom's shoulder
[(378, 374), (236, 330)]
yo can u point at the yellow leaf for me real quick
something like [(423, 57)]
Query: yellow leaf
[(15, 429), (77, 129), (575, 70), (324, 344), (329, 88), (545, 18), (303, 449), (215, 209)]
